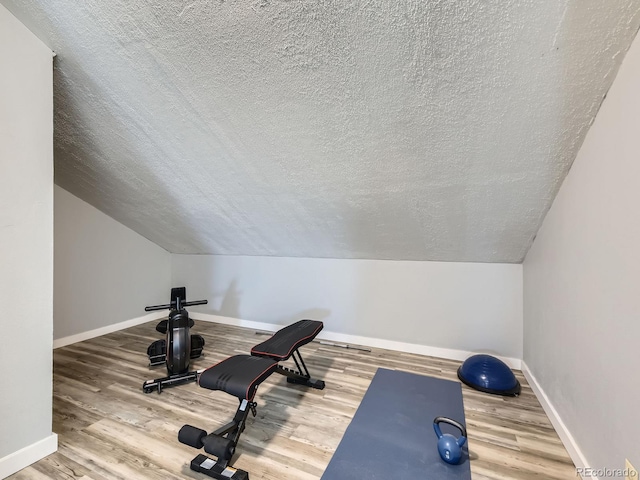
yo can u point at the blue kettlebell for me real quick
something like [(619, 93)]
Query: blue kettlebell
[(450, 447)]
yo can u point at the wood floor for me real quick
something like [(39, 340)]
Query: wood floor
[(108, 429)]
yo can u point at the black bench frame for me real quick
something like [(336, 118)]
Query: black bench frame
[(262, 362), (300, 376)]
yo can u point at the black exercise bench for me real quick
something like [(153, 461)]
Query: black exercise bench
[(240, 376)]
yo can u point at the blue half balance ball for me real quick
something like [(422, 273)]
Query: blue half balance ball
[(490, 375)]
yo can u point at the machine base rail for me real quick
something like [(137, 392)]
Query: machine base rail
[(171, 381)]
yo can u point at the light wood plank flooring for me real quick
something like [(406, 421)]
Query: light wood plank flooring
[(109, 429)]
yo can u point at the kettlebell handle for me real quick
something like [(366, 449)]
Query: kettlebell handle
[(438, 420)]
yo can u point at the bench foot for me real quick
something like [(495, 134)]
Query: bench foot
[(220, 443), (307, 382), (213, 469)]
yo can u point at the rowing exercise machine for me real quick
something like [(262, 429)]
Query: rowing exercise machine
[(178, 347)]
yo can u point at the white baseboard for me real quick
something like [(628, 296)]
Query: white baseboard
[(236, 322), (563, 432), (447, 353), (79, 337), (24, 457)]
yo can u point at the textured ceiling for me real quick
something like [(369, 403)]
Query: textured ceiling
[(424, 130)]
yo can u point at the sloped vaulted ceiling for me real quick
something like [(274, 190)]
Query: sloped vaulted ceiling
[(425, 130)]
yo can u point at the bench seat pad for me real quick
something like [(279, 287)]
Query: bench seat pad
[(239, 375)]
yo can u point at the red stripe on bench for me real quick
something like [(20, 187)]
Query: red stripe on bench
[(215, 365), (255, 390)]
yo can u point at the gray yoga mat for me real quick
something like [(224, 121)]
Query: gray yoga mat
[(391, 435)]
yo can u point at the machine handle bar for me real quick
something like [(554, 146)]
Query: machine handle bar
[(173, 304)]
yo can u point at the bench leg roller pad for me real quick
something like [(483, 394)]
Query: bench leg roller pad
[(211, 468), (191, 436), (218, 446)]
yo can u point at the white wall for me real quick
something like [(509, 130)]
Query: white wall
[(105, 273), (459, 306), (26, 244), (582, 287)]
